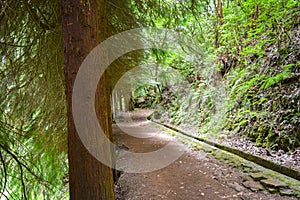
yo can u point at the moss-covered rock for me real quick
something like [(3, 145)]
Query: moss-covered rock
[(273, 183), (258, 176), (254, 186)]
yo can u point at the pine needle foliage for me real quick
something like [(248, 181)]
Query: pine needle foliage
[(32, 106), (33, 119)]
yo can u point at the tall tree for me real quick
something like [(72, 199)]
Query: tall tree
[(84, 26), (219, 12)]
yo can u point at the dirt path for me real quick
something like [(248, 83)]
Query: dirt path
[(195, 175)]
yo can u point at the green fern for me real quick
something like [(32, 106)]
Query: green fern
[(276, 79)]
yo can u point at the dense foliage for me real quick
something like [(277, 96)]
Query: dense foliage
[(246, 80), (33, 119), (32, 112), (263, 77), (254, 48)]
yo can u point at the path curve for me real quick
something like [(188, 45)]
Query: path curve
[(194, 176)]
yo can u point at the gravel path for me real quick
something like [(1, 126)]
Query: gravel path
[(195, 175)]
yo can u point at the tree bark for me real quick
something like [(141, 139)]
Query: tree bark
[(88, 178), (219, 11)]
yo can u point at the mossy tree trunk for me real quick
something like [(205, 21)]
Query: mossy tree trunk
[(83, 29)]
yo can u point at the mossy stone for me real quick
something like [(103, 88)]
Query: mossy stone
[(258, 176), (286, 192), (273, 183), (254, 186)]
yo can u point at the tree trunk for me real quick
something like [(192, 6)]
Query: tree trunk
[(88, 178), (121, 100), (219, 11), (115, 104)]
